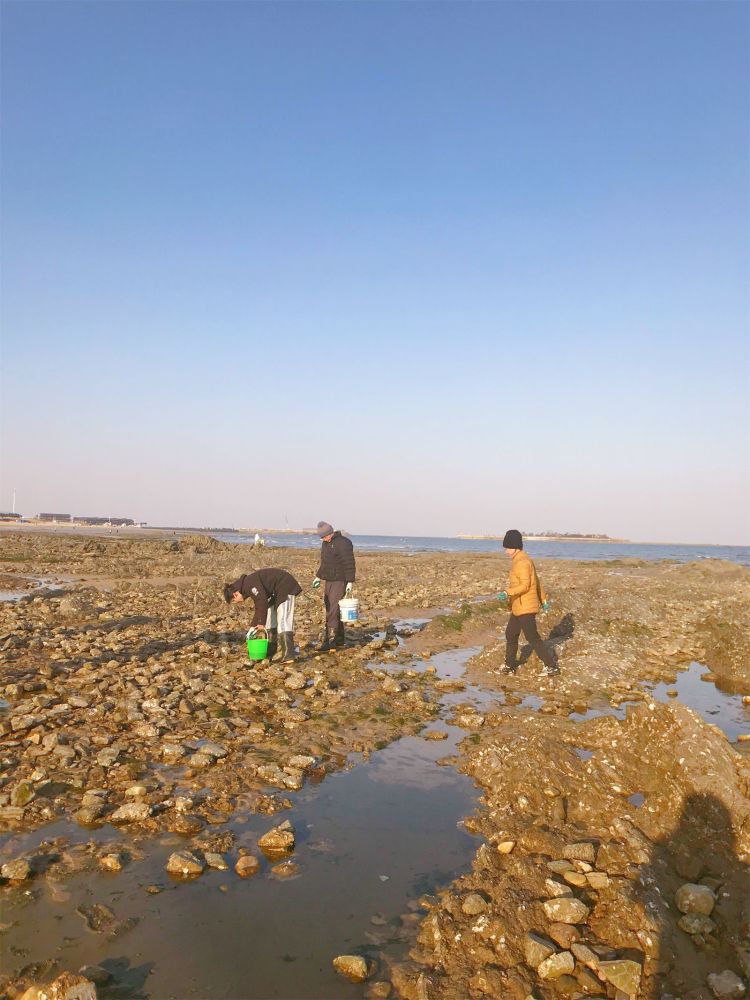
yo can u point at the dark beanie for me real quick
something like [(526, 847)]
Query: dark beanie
[(324, 528), (513, 539)]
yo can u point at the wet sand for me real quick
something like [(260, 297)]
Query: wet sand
[(125, 685)]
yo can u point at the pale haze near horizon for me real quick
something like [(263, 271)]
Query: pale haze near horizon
[(414, 269)]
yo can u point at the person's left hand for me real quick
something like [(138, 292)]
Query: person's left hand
[(545, 605), (348, 591)]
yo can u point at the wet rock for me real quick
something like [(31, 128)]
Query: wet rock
[(184, 863), (212, 749), (294, 681), (201, 760), (16, 871), (247, 865), (285, 869), (215, 860), (352, 967), (694, 898), (559, 964), (566, 910), (536, 949), (623, 974), (564, 935), (187, 824), (474, 904), (505, 846), (379, 991), (435, 734), (68, 986), (585, 955), (131, 812), (112, 862), (726, 985), (88, 815), (278, 839)]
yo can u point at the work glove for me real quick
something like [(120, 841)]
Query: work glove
[(502, 596), (348, 591), (252, 632), (545, 605), (316, 583)]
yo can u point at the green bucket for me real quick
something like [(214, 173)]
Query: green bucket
[(257, 649)]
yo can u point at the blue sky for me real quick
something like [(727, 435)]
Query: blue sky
[(412, 268)]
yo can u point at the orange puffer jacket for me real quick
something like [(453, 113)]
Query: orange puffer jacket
[(525, 590)]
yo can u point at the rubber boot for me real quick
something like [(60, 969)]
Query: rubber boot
[(288, 655), (338, 639), (327, 643), (273, 643)]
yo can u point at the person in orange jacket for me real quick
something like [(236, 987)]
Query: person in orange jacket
[(526, 596)]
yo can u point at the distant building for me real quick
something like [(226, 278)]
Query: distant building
[(115, 522), (9, 516), (53, 517)]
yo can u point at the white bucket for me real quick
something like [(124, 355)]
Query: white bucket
[(349, 609)]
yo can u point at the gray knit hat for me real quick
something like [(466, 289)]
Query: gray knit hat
[(324, 528)]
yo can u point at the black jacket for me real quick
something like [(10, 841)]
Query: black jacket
[(266, 586), (337, 559)]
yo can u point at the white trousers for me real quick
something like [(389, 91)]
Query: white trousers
[(283, 614)]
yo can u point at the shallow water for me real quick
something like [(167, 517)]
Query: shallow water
[(720, 709), (369, 840)]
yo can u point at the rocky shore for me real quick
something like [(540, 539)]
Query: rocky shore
[(614, 847)]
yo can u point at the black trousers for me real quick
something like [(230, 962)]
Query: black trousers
[(527, 625), (334, 591)]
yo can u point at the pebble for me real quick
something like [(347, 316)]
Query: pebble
[(131, 812), (623, 974), (694, 898), (111, 862), (536, 949), (474, 904), (581, 851), (184, 863), (16, 871), (214, 860), (279, 838), (726, 984), (352, 967), (696, 923), (566, 910), (247, 865), (559, 964)]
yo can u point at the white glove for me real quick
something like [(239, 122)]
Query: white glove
[(252, 632), (316, 583), (348, 591)]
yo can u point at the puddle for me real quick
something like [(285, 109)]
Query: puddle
[(723, 710), (369, 841), (637, 799), (584, 754)]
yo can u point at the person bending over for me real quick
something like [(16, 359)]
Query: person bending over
[(273, 592)]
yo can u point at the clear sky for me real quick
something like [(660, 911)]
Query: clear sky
[(414, 268)]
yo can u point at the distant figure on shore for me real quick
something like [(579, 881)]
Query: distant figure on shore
[(258, 542), (273, 592), (526, 597), (338, 570)]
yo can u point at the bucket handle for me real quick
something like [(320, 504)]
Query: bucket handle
[(258, 629)]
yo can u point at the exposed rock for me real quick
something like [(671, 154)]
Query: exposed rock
[(692, 898), (556, 965), (184, 863), (566, 910), (726, 985), (624, 974), (68, 986), (131, 812), (536, 949), (278, 839), (696, 923), (214, 860), (352, 967), (16, 871), (247, 865), (474, 904)]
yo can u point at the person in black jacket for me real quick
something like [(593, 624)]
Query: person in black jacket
[(338, 570), (273, 592)]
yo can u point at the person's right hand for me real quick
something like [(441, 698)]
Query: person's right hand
[(502, 596), (316, 583)]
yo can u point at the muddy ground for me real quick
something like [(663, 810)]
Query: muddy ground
[(129, 702)]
